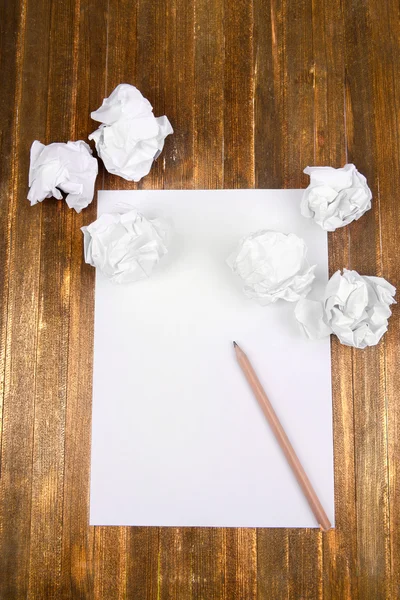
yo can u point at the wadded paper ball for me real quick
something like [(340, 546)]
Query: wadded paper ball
[(130, 137), (68, 167), (125, 247), (273, 265), (335, 197), (354, 307)]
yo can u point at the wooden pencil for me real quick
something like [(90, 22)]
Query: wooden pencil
[(282, 438)]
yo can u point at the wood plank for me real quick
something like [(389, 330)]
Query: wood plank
[(340, 545), (53, 324), (11, 29), (178, 157), (175, 574), (273, 578), (241, 564), (177, 544), (368, 366), (27, 122), (272, 544), (121, 57), (77, 569), (269, 92), (143, 562), (110, 548), (112, 544), (147, 41), (386, 94), (298, 85), (208, 564), (208, 94), (239, 81), (238, 95), (151, 75)]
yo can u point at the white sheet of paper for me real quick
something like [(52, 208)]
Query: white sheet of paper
[(177, 436)]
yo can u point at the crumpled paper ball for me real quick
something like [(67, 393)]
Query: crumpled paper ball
[(68, 167), (273, 265), (130, 137), (354, 307), (335, 197), (125, 247)]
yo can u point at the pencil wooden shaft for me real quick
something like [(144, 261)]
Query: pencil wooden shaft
[(282, 439)]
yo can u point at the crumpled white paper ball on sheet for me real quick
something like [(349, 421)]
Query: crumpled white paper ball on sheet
[(125, 247), (354, 307), (131, 137), (335, 197), (273, 265), (68, 167)]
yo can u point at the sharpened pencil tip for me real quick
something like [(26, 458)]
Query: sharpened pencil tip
[(234, 344)]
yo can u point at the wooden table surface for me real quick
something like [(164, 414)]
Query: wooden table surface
[(256, 90)]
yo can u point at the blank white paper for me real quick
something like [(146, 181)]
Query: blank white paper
[(177, 437)]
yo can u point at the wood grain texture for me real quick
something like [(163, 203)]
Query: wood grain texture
[(21, 308), (9, 58), (387, 147), (370, 428), (273, 574), (78, 557), (209, 559), (255, 90), (339, 547)]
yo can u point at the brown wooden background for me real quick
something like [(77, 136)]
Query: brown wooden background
[(256, 90)]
